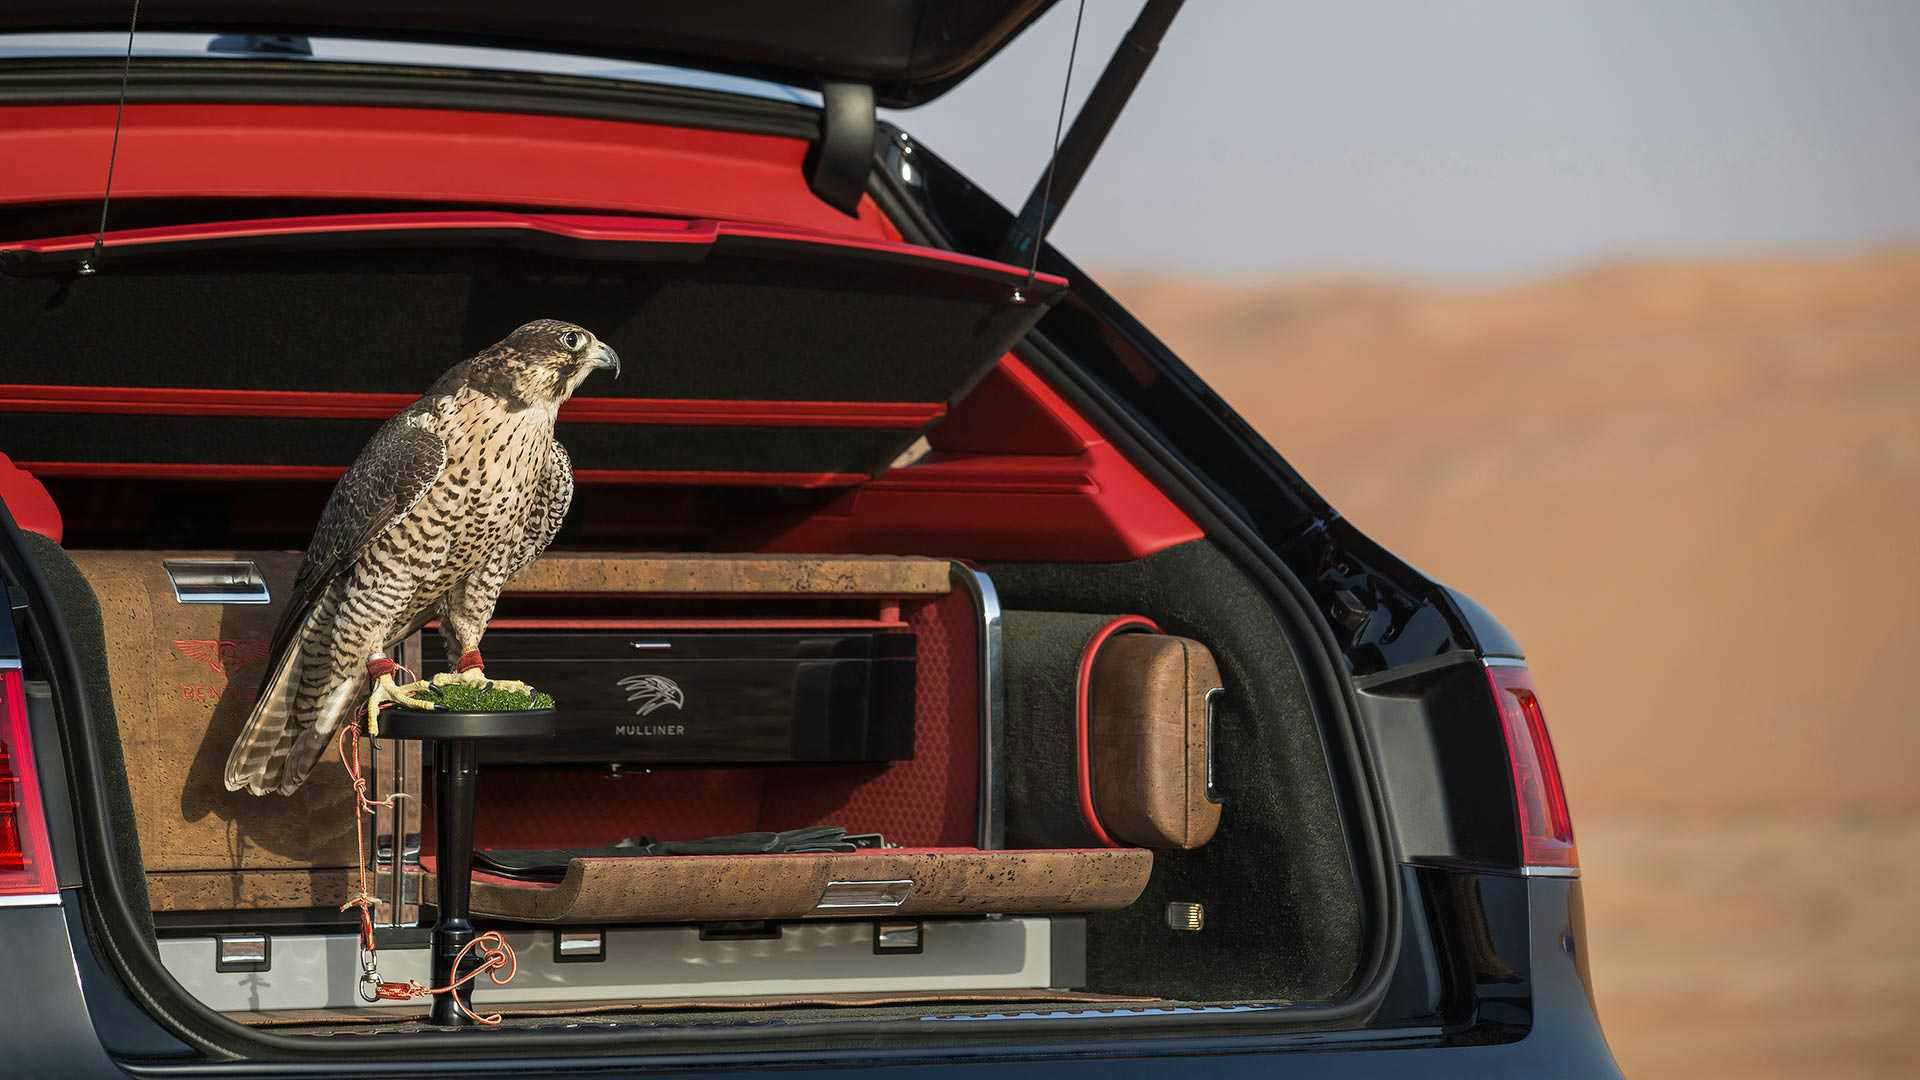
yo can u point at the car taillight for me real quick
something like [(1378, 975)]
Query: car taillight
[(26, 863), (1546, 829)]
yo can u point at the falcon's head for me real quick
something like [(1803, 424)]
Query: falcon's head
[(543, 362)]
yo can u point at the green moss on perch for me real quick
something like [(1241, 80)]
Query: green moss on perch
[(459, 697)]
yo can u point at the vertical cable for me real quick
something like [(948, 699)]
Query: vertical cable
[(89, 264), (1046, 191)]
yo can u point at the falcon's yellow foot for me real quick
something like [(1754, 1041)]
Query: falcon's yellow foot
[(386, 690), (474, 676)]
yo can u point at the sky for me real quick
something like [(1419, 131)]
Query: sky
[(1471, 139)]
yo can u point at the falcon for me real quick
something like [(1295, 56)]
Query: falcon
[(450, 499)]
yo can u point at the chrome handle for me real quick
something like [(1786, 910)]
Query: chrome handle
[(207, 581), (1214, 794)]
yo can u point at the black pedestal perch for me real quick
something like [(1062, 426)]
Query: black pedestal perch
[(456, 736)]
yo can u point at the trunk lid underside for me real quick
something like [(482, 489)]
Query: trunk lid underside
[(909, 51)]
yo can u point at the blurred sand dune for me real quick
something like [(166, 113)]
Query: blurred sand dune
[(1692, 490)]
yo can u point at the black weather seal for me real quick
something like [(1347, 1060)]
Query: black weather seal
[(264, 81), (1089, 130), (837, 164)]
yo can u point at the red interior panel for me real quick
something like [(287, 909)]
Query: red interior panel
[(1015, 474), (932, 800), (27, 500), (428, 155), (348, 405)]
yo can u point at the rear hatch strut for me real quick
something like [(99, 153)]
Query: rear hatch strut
[(1090, 126)]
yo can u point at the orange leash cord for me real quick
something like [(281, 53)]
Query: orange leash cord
[(497, 953)]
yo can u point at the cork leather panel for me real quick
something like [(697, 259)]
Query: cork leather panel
[(249, 890), (184, 677), (832, 575), (1147, 738), (710, 888)]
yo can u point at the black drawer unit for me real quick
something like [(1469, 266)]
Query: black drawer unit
[(709, 698)]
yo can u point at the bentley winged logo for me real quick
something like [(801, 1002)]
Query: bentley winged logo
[(224, 656), (650, 692)]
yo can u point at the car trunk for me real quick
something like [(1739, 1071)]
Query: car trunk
[(816, 439)]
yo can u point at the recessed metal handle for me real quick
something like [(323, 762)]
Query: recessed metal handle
[(864, 894), (579, 946), (207, 581), (243, 952), (1214, 794), (897, 939)]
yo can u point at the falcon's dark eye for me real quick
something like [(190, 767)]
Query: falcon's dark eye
[(574, 340)]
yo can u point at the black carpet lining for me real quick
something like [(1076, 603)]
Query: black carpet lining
[(1283, 917)]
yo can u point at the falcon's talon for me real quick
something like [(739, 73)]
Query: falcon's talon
[(511, 686), (386, 692)]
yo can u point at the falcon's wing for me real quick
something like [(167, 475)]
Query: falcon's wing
[(392, 474), (547, 512)]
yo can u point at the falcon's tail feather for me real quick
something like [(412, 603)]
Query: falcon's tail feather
[(283, 741), (254, 762), (301, 749)]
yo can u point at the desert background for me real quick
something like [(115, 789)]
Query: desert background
[(1692, 490)]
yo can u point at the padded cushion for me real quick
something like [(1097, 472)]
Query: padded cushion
[(1147, 738), (1106, 732), (714, 888)]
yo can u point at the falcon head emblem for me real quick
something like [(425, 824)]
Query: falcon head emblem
[(224, 656), (650, 692)]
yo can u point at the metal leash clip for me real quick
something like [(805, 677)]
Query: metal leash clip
[(369, 988)]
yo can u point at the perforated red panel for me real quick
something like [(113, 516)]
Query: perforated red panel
[(560, 808), (933, 800)]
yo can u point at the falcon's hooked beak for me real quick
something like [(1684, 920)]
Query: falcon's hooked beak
[(605, 358)]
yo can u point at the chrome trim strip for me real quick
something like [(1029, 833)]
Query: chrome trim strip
[(39, 899), (8, 663), (1550, 871), (990, 832), (1502, 661)]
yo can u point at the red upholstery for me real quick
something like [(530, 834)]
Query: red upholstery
[(932, 800), (27, 500)]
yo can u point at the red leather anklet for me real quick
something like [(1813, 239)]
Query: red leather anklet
[(469, 660), (379, 666)]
